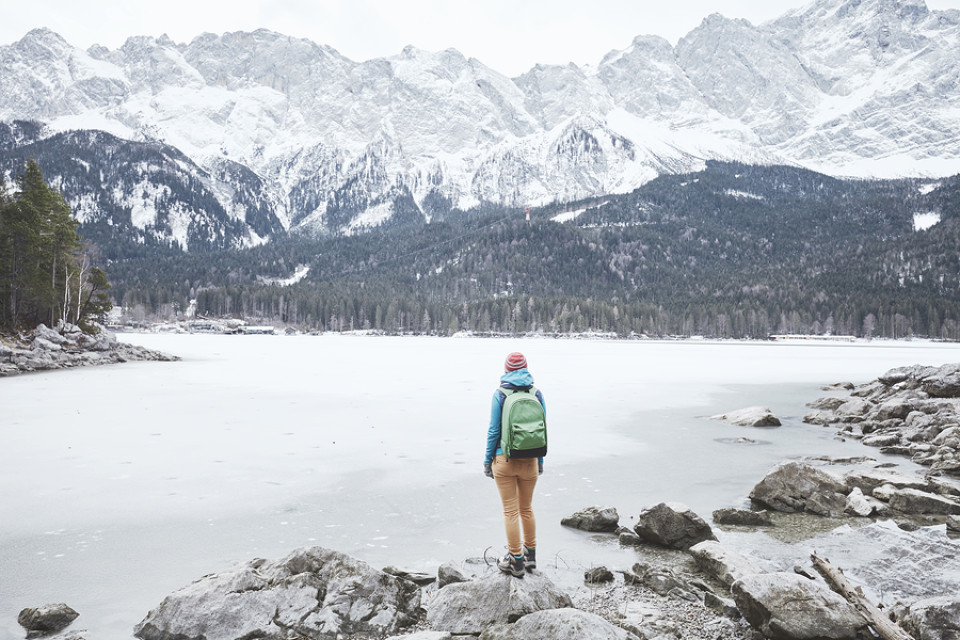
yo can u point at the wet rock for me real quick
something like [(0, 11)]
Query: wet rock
[(726, 565), (882, 440), (468, 608), (46, 620), (894, 409), (854, 409), (448, 573), (742, 517), (829, 403), (597, 575), (662, 580), (793, 487), (913, 501), (672, 525), (417, 578), (822, 418), (313, 592), (869, 479), (786, 606), (858, 504), (750, 417), (597, 519), (953, 523), (559, 624), (933, 618), (724, 606), (628, 537)]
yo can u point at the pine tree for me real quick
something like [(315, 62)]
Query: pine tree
[(44, 274)]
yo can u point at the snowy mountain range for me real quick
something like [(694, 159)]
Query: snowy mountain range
[(229, 139)]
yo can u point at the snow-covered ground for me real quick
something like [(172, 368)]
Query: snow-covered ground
[(120, 484)]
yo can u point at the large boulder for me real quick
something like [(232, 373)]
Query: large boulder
[(787, 606), (869, 479), (602, 519), (794, 487), (726, 565), (672, 525), (933, 618), (46, 620), (943, 382), (468, 608), (558, 624), (312, 593), (44, 332), (750, 417), (854, 409), (913, 501)]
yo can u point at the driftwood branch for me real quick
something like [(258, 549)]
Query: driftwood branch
[(882, 624)]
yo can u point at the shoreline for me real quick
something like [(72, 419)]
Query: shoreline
[(46, 349)]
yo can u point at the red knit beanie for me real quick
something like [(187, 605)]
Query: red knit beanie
[(515, 361)]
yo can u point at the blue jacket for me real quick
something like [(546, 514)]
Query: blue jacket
[(509, 380)]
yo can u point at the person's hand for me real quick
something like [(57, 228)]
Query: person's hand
[(539, 468), (488, 470)]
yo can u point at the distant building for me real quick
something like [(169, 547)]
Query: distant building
[(258, 330)]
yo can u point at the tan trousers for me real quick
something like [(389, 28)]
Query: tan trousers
[(516, 479)]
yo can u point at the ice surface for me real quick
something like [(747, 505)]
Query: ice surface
[(120, 484)]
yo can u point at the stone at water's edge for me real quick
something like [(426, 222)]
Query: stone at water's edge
[(786, 606), (794, 487), (46, 620), (313, 593), (672, 525), (722, 563), (742, 517), (597, 519), (468, 608), (907, 411), (933, 618), (750, 417), (913, 501)]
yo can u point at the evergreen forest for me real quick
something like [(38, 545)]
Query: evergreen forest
[(733, 251)]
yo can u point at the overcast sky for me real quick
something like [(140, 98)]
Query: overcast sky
[(509, 36)]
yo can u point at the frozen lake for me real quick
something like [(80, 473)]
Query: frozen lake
[(120, 484)]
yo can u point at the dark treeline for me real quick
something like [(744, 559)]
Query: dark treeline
[(45, 272), (734, 251)]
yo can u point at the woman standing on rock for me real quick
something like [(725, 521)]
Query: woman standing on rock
[(516, 444)]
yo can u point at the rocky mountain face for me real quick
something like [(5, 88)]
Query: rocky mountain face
[(278, 133)]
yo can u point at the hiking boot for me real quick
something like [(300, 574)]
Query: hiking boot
[(529, 559), (511, 564)]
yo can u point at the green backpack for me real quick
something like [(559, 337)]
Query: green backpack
[(523, 424)]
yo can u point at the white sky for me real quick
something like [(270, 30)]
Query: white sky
[(509, 36)]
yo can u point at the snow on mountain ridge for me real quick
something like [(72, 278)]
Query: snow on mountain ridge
[(851, 87)]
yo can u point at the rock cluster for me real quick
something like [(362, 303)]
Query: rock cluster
[(912, 411), (798, 487), (311, 593), (67, 346)]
